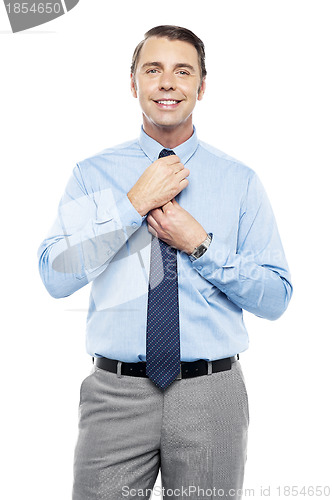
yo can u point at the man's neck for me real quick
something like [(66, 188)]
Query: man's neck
[(170, 138)]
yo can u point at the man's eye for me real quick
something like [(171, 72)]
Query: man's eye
[(182, 72), (152, 71)]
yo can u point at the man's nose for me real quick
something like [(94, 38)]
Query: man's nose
[(167, 81)]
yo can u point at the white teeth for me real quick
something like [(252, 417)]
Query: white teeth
[(167, 102)]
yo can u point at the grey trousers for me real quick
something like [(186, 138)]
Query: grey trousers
[(195, 432)]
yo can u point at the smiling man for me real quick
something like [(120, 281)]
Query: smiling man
[(167, 88), (177, 238)]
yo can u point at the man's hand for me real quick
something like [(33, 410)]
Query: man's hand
[(159, 183), (174, 225)]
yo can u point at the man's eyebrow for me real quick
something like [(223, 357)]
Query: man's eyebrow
[(160, 65), (154, 63), (185, 65)]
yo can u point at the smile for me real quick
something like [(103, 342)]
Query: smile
[(167, 103)]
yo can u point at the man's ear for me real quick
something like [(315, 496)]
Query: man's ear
[(201, 90), (133, 85)]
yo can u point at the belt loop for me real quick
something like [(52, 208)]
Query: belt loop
[(179, 377), (209, 367), (118, 369)]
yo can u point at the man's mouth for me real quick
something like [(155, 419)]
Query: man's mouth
[(169, 103)]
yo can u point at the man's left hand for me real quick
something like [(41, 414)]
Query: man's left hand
[(174, 225)]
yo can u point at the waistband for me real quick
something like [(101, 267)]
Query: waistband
[(188, 369)]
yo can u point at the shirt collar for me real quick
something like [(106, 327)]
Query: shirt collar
[(152, 148)]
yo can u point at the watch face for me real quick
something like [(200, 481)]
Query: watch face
[(198, 252)]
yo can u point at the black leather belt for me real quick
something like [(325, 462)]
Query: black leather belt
[(188, 368)]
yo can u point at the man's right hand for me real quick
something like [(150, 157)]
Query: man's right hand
[(159, 183)]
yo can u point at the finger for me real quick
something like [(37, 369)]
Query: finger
[(153, 227), (154, 212), (152, 231), (184, 183), (170, 160), (178, 167), (155, 216), (155, 221), (173, 161), (167, 205), (181, 174)]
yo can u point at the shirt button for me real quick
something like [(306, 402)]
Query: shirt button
[(199, 268), (134, 224)]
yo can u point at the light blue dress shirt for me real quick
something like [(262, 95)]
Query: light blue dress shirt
[(99, 237)]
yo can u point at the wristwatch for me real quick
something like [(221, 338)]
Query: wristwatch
[(202, 248)]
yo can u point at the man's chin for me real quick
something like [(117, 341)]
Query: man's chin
[(168, 123), (165, 126)]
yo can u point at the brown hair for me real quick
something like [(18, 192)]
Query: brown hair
[(172, 33)]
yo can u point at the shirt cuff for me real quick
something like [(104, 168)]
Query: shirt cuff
[(123, 212)]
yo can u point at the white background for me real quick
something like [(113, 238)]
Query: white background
[(65, 95)]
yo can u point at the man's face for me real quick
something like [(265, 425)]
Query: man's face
[(167, 82)]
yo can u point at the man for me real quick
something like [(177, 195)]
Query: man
[(177, 239)]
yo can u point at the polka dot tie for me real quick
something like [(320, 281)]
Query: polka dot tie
[(163, 332)]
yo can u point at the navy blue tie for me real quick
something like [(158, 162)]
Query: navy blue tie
[(163, 332)]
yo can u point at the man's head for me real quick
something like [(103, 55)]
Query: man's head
[(172, 33), (168, 77)]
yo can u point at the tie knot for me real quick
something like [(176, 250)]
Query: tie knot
[(166, 152)]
